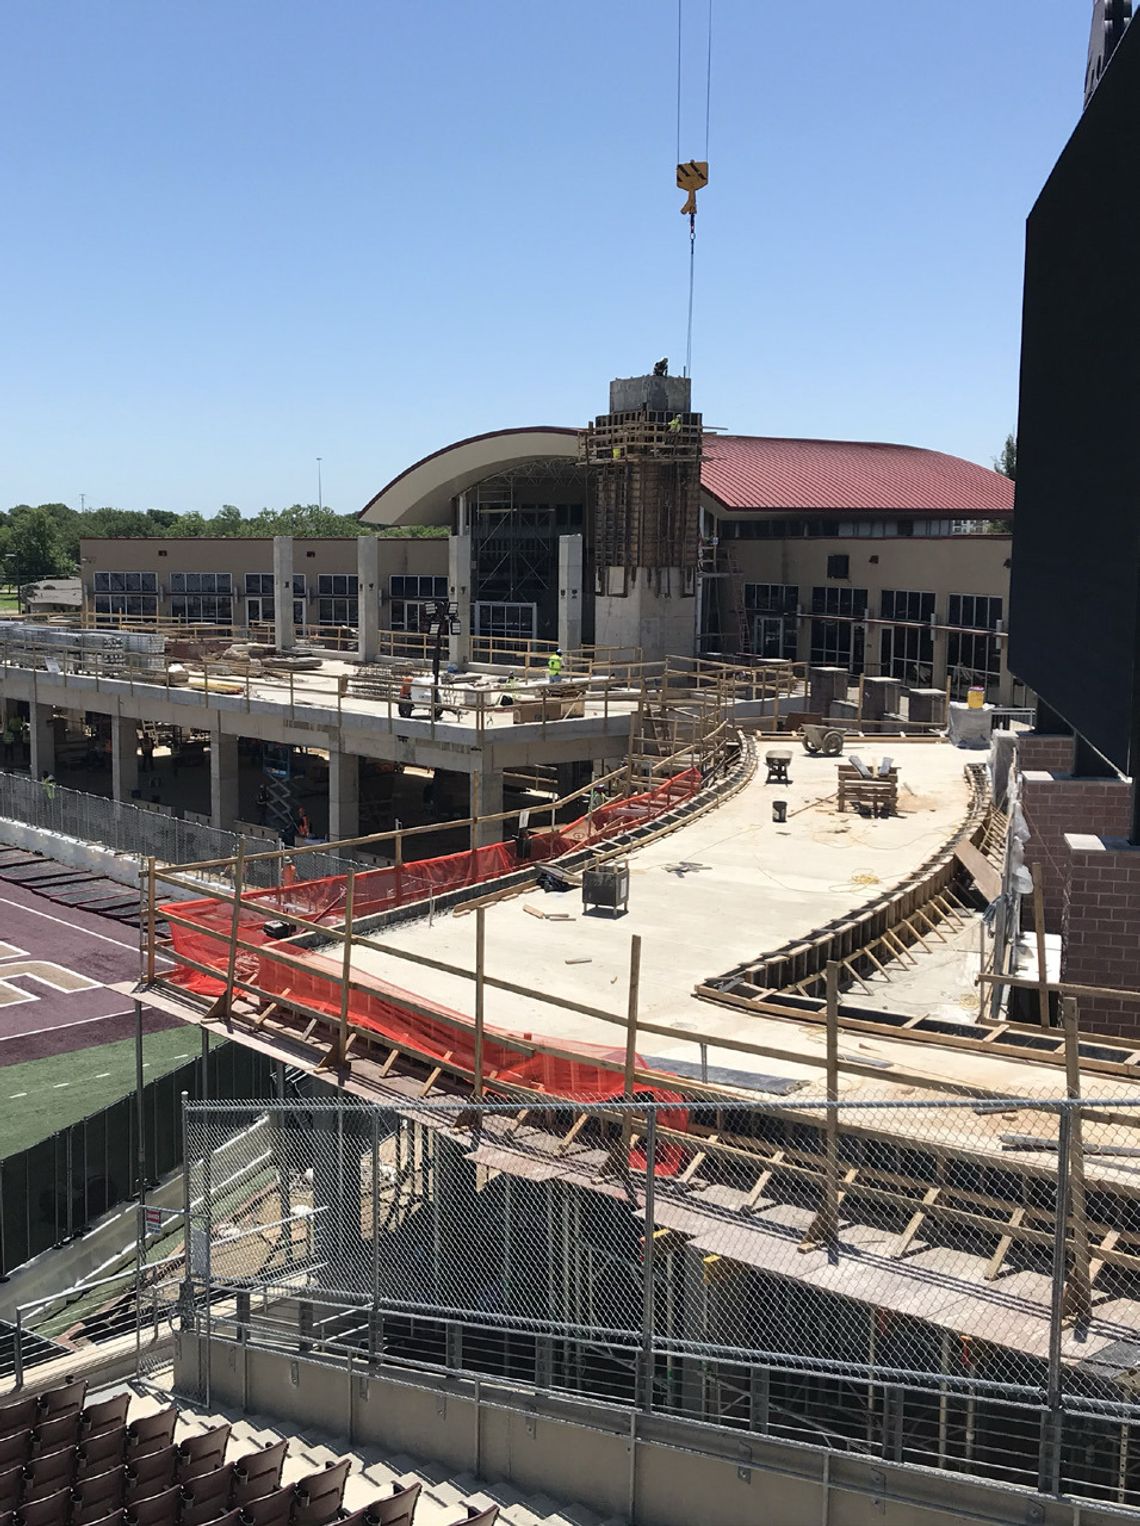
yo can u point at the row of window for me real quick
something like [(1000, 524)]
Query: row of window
[(855, 529), (968, 611)]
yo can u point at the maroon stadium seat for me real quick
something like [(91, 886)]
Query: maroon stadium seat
[(151, 1473), (60, 1431), (203, 1453), (51, 1510), (270, 1510), (397, 1509), (259, 1472), (231, 1518), (206, 1496), (11, 1487), (108, 1414), (318, 1495), (158, 1510), (20, 1415), (16, 1448), (65, 1399), (116, 1518), (477, 1517), (48, 1472), (98, 1496), (151, 1432), (106, 1449)]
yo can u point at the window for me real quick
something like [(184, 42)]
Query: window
[(126, 582), (139, 606), (412, 600), (338, 611), (341, 585), (837, 639), (973, 656), (201, 582), (259, 583), (906, 651), (770, 609), (260, 610), (974, 611), (202, 609), (838, 566), (507, 625)]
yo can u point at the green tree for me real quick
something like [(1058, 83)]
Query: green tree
[(34, 547), (1006, 463)]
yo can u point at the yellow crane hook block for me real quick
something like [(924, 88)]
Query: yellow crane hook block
[(692, 177)]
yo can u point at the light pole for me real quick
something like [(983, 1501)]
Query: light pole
[(320, 498)]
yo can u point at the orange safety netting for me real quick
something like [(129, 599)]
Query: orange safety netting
[(448, 1035)]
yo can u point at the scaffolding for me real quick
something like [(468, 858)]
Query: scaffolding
[(647, 489)]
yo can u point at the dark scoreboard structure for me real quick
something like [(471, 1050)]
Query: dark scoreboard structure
[(1075, 595)]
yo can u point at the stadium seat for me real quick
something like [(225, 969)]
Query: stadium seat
[(270, 1510), (64, 1400), (109, 1414), (116, 1518), (203, 1453), (231, 1518), (98, 1496), (51, 1510), (318, 1496), (16, 1448), (151, 1473), (477, 1517), (258, 1472), (151, 1432), (20, 1415), (206, 1496), (11, 1487), (60, 1431), (397, 1509), (103, 1450), (157, 1510), (48, 1472)]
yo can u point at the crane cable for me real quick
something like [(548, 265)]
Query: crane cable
[(699, 179)]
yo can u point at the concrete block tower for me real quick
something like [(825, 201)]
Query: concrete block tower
[(644, 462)]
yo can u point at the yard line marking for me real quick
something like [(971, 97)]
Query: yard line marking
[(63, 922), (14, 1095), (102, 1076), (58, 1084), (61, 1027)]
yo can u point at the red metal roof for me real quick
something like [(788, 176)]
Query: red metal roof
[(756, 472)]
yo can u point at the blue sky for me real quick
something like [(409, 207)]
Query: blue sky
[(244, 233)]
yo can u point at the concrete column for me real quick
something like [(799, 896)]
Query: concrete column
[(487, 800), (124, 756), (368, 580), (569, 592), (344, 794), (41, 740), (459, 592), (223, 780), (283, 634), (940, 659)]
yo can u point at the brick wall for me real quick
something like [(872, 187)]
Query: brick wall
[(1056, 804), (1102, 929), (1053, 754)]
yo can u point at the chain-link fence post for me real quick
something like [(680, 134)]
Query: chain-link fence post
[(1050, 1479), (648, 1288)]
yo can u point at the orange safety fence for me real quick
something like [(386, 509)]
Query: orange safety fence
[(450, 1036)]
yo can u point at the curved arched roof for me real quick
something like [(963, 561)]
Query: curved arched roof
[(739, 474)]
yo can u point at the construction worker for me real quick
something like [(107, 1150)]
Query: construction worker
[(47, 783), (10, 734), (554, 666)]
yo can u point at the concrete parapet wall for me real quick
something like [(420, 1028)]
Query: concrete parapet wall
[(1102, 929)]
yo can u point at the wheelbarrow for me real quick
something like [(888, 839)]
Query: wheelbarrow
[(827, 740)]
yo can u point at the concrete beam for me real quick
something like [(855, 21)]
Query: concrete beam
[(283, 632), (223, 780), (368, 590), (41, 738), (570, 561), (124, 756), (459, 592), (344, 794)]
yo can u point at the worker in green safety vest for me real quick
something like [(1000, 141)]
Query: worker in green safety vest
[(554, 666)]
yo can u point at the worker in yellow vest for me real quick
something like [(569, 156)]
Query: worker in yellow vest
[(554, 666)]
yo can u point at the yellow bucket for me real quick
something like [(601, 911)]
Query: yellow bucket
[(975, 698)]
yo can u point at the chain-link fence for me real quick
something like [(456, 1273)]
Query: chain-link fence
[(145, 832), (916, 1281)]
